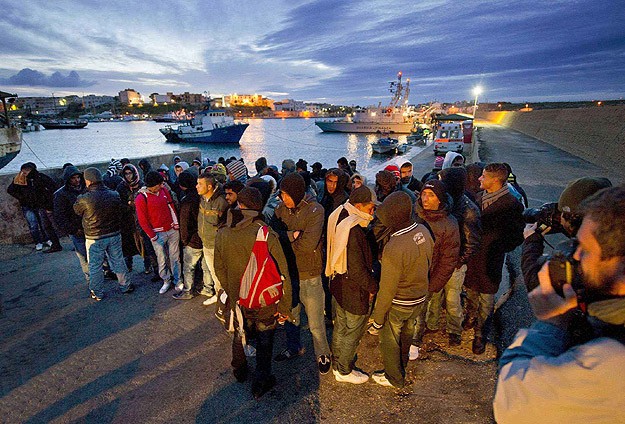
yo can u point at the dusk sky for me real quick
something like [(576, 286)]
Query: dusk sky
[(341, 52)]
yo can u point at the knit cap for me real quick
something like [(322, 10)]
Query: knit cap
[(578, 190), (395, 211), (394, 169), (288, 165), (153, 178), (92, 174), (251, 198), (363, 194), (294, 185), (219, 169), (439, 189), (237, 169), (438, 162), (186, 180)]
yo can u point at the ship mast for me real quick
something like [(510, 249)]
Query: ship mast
[(398, 91)]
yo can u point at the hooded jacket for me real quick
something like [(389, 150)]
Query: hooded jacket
[(38, 193), (336, 199), (64, 198), (212, 213), (156, 212), (189, 209), (446, 242), (449, 159)]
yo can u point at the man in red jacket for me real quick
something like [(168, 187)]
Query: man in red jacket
[(157, 216)]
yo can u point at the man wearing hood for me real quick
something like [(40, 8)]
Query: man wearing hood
[(352, 284), (302, 219), (453, 160), (65, 217), (35, 192), (112, 178), (385, 184), (233, 246), (404, 286), (433, 208), (173, 176)]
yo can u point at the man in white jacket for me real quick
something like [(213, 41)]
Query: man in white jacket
[(568, 366)]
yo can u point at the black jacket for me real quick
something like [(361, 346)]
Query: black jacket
[(64, 199), (468, 216), (189, 209), (100, 209), (531, 251), (38, 193)]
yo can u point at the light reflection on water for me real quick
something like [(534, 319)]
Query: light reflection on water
[(276, 139)]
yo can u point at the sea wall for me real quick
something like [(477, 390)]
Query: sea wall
[(596, 134), (13, 228)]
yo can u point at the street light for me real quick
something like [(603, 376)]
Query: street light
[(476, 92)]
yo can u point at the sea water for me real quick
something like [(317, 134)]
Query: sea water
[(276, 139)]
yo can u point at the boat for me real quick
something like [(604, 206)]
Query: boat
[(64, 124), (170, 117), (29, 126), (208, 126), (395, 118), (385, 145), (10, 134), (419, 134)]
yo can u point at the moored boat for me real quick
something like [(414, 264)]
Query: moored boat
[(64, 124), (10, 134), (385, 145), (208, 126)]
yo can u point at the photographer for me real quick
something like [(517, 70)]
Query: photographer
[(551, 218), (567, 366)]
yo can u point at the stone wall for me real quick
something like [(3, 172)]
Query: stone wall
[(13, 228), (596, 134)]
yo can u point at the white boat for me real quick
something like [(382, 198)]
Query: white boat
[(10, 134), (394, 118), (385, 145), (208, 126)]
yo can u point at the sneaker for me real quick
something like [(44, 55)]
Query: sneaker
[(210, 301), (183, 295), (179, 287), (455, 340), (95, 296), (165, 287), (54, 249), (413, 355), (38, 246), (109, 275), (354, 377), (324, 364), (49, 243), (207, 292), (129, 289), (380, 378), (287, 354)]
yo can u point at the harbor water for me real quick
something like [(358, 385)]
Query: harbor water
[(276, 139)]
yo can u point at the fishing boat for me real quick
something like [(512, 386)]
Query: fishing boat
[(64, 124), (385, 145), (394, 118), (208, 126), (10, 134)]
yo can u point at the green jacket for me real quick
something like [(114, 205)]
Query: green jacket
[(233, 246), (212, 213)]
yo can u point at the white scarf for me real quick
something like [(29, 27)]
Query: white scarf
[(338, 236)]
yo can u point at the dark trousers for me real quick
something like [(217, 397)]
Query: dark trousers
[(260, 325)]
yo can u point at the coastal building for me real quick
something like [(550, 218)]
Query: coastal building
[(189, 98), (43, 106), (130, 97), (289, 105), (162, 98), (247, 100), (93, 101)]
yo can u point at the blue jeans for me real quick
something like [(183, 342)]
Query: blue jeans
[(191, 257), (81, 252), (348, 330), (97, 251), (40, 225), (211, 283), (167, 248), (453, 305)]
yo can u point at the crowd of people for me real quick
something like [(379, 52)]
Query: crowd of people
[(385, 257)]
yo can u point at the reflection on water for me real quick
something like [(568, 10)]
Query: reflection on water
[(276, 139)]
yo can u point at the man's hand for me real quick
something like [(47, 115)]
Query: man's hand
[(529, 229), (281, 318), (547, 304)]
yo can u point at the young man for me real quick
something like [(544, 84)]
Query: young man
[(568, 365), (158, 218), (406, 261), (502, 231), (211, 214), (348, 248), (100, 209), (233, 246), (302, 217), (231, 190), (408, 181)]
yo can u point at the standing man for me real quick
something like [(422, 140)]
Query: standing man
[(233, 246), (100, 209), (567, 367), (350, 268), (157, 216), (65, 217), (231, 191), (407, 179), (502, 231), (302, 217), (211, 214), (404, 283)]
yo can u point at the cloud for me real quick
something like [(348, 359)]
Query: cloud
[(31, 78)]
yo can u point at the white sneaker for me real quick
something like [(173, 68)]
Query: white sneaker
[(49, 243), (354, 377), (210, 300), (165, 287), (414, 353), (39, 246), (381, 379), (179, 287)]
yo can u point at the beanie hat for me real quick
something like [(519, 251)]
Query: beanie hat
[(250, 198), (219, 169), (438, 162), (386, 180), (92, 174), (439, 189), (394, 169), (288, 165), (579, 190), (272, 182), (362, 194), (237, 169), (302, 164), (153, 178), (395, 211), (294, 185), (187, 180)]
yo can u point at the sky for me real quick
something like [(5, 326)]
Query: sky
[(340, 52)]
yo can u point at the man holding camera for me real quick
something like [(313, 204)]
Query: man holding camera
[(567, 366), (551, 218)]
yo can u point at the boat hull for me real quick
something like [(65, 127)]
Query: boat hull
[(10, 144), (229, 134), (62, 126), (365, 127)]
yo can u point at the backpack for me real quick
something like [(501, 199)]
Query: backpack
[(261, 283)]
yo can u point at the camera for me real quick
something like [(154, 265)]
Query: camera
[(546, 216), (563, 268)]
